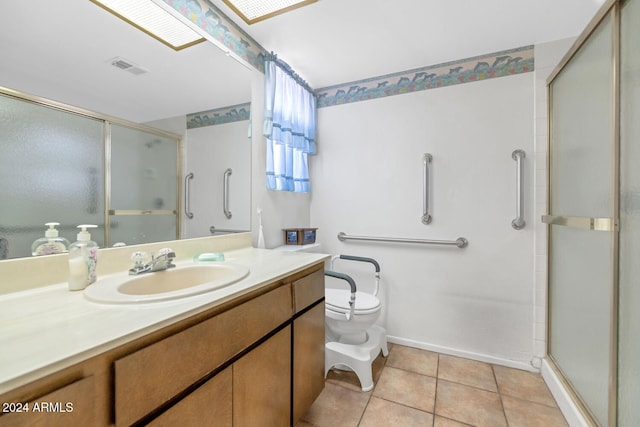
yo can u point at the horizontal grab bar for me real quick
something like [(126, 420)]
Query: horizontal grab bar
[(213, 229), (460, 242)]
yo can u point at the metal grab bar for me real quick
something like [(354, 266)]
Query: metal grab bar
[(225, 193), (352, 285), (460, 242), (518, 223), (426, 160), (213, 230), (187, 195)]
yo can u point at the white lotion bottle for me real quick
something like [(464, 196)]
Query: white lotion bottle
[(83, 259)]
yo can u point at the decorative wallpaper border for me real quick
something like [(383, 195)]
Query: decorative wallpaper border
[(222, 29), (218, 116), (499, 64)]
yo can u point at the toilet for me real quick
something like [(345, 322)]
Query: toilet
[(352, 339)]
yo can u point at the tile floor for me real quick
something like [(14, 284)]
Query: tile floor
[(421, 388)]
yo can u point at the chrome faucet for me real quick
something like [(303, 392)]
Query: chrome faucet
[(162, 261)]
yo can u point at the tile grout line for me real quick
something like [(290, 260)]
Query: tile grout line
[(435, 395), (495, 378)]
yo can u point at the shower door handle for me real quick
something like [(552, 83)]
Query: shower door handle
[(426, 161), (225, 193), (518, 223), (581, 222), (187, 195)]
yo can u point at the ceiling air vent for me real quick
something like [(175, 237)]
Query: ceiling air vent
[(126, 65)]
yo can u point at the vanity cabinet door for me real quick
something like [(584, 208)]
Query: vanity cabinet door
[(262, 384), (308, 342), (308, 359), (209, 405), (71, 405)]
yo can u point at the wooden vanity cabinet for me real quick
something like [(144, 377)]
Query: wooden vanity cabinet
[(254, 361), (153, 376)]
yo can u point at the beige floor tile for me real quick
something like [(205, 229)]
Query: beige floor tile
[(337, 406), (467, 372), (412, 359), (446, 422), (382, 413), (522, 413), (523, 385), (304, 424), (406, 388), (469, 405)]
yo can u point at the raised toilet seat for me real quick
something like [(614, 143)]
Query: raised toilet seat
[(353, 341)]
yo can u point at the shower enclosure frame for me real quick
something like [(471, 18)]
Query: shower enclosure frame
[(610, 225), (107, 159)]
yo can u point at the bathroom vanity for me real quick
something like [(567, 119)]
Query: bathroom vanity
[(251, 354)]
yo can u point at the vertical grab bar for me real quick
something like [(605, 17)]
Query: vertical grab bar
[(225, 193), (187, 195), (518, 223), (426, 160)]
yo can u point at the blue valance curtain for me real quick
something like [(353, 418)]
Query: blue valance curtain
[(289, 126)]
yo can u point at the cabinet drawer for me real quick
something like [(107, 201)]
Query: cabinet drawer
[(308, 290), (146, 379), (71, 405)]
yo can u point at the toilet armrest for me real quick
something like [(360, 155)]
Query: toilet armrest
[(342, 276), (362, 259), (352, 284)]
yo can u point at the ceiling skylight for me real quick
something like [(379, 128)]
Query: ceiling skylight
[(256, 10), (153, 20)]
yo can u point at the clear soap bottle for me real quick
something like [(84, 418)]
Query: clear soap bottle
[(83, 259), (51, 243)]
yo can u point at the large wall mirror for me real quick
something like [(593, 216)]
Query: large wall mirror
[(65, 52)]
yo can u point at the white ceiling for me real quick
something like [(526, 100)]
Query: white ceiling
[(61, 49), (339, 41)]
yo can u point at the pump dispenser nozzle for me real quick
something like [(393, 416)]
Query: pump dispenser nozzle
[(84, 235), (52, 231)]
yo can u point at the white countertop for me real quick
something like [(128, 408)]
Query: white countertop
[(47, 329)]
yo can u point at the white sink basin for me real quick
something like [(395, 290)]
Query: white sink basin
[(178, 282)]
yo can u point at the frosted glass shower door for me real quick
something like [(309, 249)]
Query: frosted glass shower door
[(581, 236), (144, 186), (51, 169)]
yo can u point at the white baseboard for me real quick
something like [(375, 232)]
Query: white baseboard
[(466, 354), (569, 409)]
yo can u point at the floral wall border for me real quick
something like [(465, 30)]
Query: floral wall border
[(498, 64), (223, 31), (219, 116)]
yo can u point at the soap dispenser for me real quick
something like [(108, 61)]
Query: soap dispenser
[(83, 259), (51, 243)]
